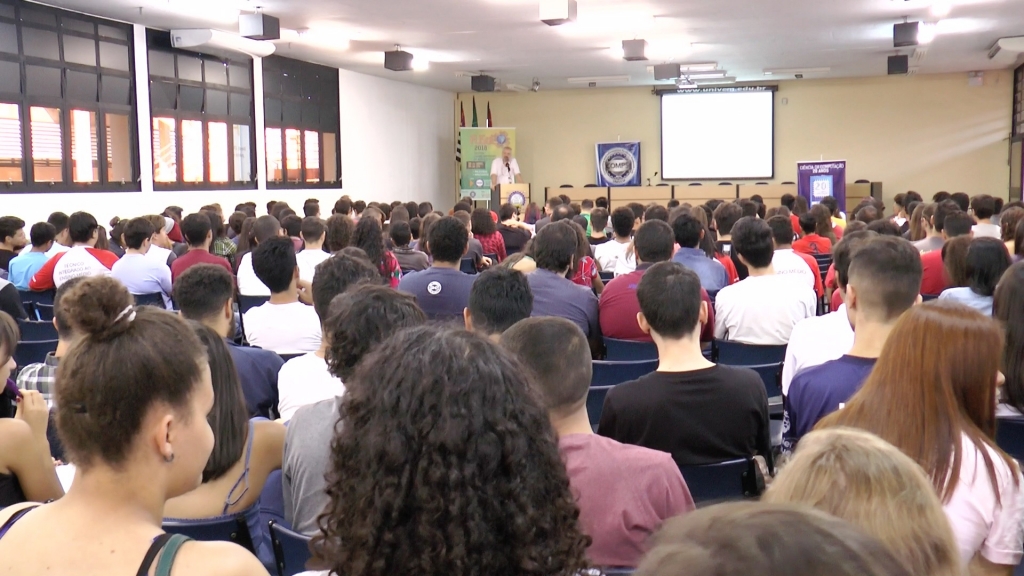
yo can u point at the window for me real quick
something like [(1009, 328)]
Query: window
[(63, 77), (196, 99), (301, 105)]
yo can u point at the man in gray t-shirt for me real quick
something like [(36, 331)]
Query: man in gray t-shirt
[(307, 458)]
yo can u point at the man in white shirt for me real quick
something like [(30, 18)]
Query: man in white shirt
[(983, 207), (284, 324), (505, 170), (62, 241), (788, 262), (313, 234), (617, 256), (141, 275), (763, 308), (265, 228), (160, 243)]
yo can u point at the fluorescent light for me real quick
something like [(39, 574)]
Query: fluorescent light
[(194, 38), (711, 81), (599, 79), (792, 71), (698, 67), (696, 75), (941, 8), (926, 33), (420, 64)]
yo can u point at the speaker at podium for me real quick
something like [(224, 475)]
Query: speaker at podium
[(516, 194)]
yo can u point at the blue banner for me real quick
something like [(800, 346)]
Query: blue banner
[(816, 180), (618, 164)]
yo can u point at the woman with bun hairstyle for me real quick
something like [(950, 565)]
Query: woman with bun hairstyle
[(135, 392)]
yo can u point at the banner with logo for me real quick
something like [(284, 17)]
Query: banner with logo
[(480, 146), (816, 180), (618, 164)]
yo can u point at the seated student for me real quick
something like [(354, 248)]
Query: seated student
[(688, 232), (624, 492), (285, 323), (24, 266), (987, 260), (42, 376), (61, 239), (612, 255), (292, 226), (500, 297), (515, 233), (12, 239), (10, 301), (244, 453), (368, 236), (724, 217), (82, 259), (554, 250), (619, 306), (204, 293), (943, 360), (934, 278), (249, 284), (730, 540), (864, 480), (485, 231), (314, 234), (26, 469), (410, 260), (198, 233), (457, 410), (163, 250), (141, 275), (763, 308), (818, 339), (356, 322), (787, 261), (810, 242), (699, 412), (442, 290), (222, 245), (598, 223), (883, 280), (983, 207), (133, 419)]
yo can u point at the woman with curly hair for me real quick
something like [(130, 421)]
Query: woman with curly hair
[(446, 466), (369, 236)]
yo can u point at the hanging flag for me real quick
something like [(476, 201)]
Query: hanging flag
[(475, 123), (458, 139), (490, 121)]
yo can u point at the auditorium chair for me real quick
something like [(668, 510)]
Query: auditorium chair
[(789, 183), (862, 182), (740, 354), (291, 550), (725, 183), (595, 403), (32, 352), (230, 528), (695, 184), (927, 297), (44, 297), (629, 350), (247, 302), (590, 186), (1010, 435), (606, 277), (824, 263), (566, 186), (154, 299), (493, 257), (34, 331), (663, 184), (611, 373), (44, 311), (712, 483), (467, 266), (272, 499)]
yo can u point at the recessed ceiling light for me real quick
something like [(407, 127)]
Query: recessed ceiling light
[(420, 64), (941, 8), (926, 33)]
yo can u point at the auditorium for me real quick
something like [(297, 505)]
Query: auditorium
[(511, 288)]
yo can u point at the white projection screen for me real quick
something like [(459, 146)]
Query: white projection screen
[(717, 135)]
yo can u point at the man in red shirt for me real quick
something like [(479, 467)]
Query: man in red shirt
[(653, 243), (933, 277), (810, 242), (198, 231)]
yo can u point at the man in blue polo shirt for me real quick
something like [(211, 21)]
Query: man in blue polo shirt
[(688, 233), (554, 249), (442, 291)]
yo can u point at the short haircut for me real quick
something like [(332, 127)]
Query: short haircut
[(414, 227), (265, 228), (9, 226), (601, 202), (943, 210), (463, 216), (673, 203), (462, 207), (448, 240), (554, 201), (599, 219), (669, 296), (401, 233), (482, 222), (312, 229), (292, 225), (137, 231), (622, 222), (885, 228), (343, 206), (195, 228), (788, 200), (958, 224), (587, 204), (400, 214), (274, 263), (561, 381), (808, 223), (359, 206), (752, 239), (65, 330), (337, 274), (843, 252), (656, 212), (747, 207), (202, 291), (59, 221), (830, 203), (987, 259), (339, 232), (638, 210), (726, 215), (424, 208), (654, 241), (554, 247), (782, 230), (310, 209), (686, 229), (506, 211), (41, 233), (236, 220), (81, 227), (867, 214), (360, 319), (887, 272), (499, 298), (962, 200), (561, 212)]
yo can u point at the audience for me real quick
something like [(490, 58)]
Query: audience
[(339, 232), (763, 308), (554, 250), (787, 261), (82, 259), (514, 233), (725, 217), (810, 241), (1008, 221), (598, 224), (485, 230), (935, 278), (369, 237), (198, 232), (689, 232), (884, 276), (442, 290), (24, 266), (500, 297), (314, 235), (987, 260), (249, 284), (285, 324), (12, 239), (409, 260), (624, 492), (697, 411), (615, 255), (939, 407), (934, 224), (222, 245), (1008, 309), (139, 274), (164, 250)]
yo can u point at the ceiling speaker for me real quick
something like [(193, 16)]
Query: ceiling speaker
[(904, 34), (259, 27), (398, 60), (899, 64), (483, 83)]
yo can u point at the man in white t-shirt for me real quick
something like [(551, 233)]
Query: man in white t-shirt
[(505, 170), (788, 262), (284, 324), (313, 234), (265, 228), (763, 308), (617, 256)]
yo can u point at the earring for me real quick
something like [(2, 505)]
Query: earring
[(170, 458)]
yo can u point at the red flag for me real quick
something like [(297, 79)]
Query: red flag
[(490, 121)]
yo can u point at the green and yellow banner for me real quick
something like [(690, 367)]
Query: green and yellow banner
[(480, 146)]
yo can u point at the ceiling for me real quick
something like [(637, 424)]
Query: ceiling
[(505, 38)]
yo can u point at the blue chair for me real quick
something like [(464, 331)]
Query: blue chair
[(1010, 435), (221, 529), (35, 331), (272, 500), (928, 297), (595, 404), (824, 262), (612, 373), (247, 302), (606, 276), (467, 266), (44, 311), (493, 257), (291, 550), (740, 354), (44, 297), (717, 482), (154, 299), (771, 375), (628, 350), (32, 352), (30, 309)]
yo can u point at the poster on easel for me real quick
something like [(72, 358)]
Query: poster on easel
[(817, 180), (480, 146)]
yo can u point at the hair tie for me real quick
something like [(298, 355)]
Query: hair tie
[(129, 311)]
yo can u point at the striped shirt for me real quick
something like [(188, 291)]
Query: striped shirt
[(41, 376)]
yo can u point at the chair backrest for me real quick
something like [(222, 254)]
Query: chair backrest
[(927, 297), (695, 184), (467, 266), (824, 262), (247, 302), (32, 352), (222, 529), (566, 186), (607, 276), (272, 499), (862, 182), (610, 373), (153, 299), (725, 183), (493, 257), (35, 331), (628, 350), (1010, 436), (740, 354), (595, 403), (771, 375), (44, 311), (291, 550), (717, 482), (788, 183), (44, 297)]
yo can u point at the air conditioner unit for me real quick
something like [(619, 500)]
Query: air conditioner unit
[(1006, 49), (557, 12), (634, 50), (204, 37)]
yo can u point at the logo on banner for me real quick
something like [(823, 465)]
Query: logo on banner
[(517, 199), (618, 166), (821, 187)]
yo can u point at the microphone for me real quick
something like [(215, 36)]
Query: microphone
[(649, 179)]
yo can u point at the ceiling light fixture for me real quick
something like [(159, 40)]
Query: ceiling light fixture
[(696, 75), (794, 71), (601, 79), (196, 38), (713, 81), (941, 8), (926, 33), (557, 12)]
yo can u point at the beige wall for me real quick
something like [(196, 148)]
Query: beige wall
[(923, 133)]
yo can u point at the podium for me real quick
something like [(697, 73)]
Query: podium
[(500, 195)]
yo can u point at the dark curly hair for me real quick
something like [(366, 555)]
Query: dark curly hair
[(446, 465), (369, 236)]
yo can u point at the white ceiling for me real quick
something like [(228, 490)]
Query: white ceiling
[(505, 38)]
